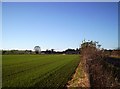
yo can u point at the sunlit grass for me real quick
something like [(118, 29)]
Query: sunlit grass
[(38, 70)]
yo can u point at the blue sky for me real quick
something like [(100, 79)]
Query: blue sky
[(59, 25)]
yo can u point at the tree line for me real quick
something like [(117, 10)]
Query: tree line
[(51, 51), (37, 50)]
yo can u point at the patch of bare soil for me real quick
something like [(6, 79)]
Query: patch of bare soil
[(80, 78)]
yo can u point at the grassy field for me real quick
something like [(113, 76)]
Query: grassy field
[(38, 70)]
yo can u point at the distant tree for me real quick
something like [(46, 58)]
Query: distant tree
[(77, 50), (48, 51), (52, 50), (37, 49), (30, 51), (3, 52), (70, 51)]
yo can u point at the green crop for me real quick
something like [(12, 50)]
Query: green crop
[(38, 70)]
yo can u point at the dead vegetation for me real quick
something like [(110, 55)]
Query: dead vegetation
[(80, 78), (93, 71)]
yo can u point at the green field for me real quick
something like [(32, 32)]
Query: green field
[(38, 70)]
